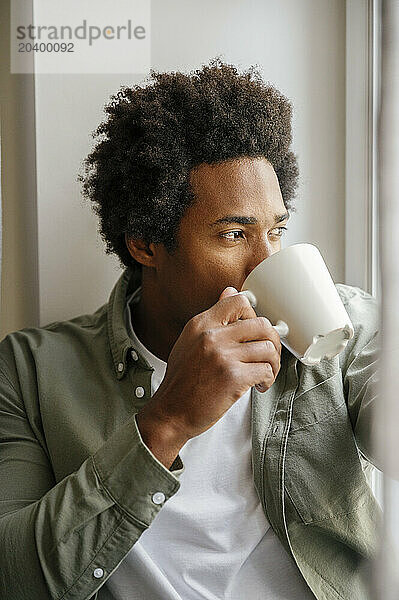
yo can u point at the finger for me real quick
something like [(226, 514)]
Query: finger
[(230, 309), (260, 374), (258, 328), (229, 291), (263, 351), (261, 387)]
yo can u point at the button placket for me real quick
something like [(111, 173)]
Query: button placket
[(140, 380)]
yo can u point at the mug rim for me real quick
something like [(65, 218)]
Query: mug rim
[(283, 250)]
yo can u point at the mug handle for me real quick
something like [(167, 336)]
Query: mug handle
[(281, 327)]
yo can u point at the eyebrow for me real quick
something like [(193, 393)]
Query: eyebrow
[(241, 220)]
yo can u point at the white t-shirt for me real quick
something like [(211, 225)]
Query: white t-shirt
[(211, 540)]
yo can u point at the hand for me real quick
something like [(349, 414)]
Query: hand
[(220, 354)]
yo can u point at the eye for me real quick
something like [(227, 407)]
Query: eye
[(278, 231), (233, 235)]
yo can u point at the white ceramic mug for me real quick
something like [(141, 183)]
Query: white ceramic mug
[(294, 290)]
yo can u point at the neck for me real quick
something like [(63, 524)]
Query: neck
[(152, 323)]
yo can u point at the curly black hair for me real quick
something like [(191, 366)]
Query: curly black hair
[(137, 175)]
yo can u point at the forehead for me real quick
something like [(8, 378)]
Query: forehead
[(245, 186)]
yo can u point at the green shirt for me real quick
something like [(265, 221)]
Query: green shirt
[(77, 483)]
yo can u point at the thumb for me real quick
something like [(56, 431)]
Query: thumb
[(229, 291)]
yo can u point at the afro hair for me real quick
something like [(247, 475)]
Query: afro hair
[(137, 175)]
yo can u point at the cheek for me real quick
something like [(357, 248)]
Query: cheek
[(202, 270), (211, 273)]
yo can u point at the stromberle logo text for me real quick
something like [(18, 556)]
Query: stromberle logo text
[(84, 31)]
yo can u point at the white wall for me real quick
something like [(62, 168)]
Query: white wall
[(300, 45), (19, 298)]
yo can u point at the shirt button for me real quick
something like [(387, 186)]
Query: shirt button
[(134, 355), (158, 497), (120, 367), (98, 573), (139, 392)]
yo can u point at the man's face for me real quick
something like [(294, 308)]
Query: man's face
[(235, 222)]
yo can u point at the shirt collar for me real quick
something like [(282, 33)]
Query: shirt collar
[(119, 339)]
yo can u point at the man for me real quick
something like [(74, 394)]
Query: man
[(167, 446)]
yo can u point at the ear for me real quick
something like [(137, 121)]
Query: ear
[(142, 252)]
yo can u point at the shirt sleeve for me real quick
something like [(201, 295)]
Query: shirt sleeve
[(63, 540), (361, 373)]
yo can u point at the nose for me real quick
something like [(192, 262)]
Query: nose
[(262, 250)]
